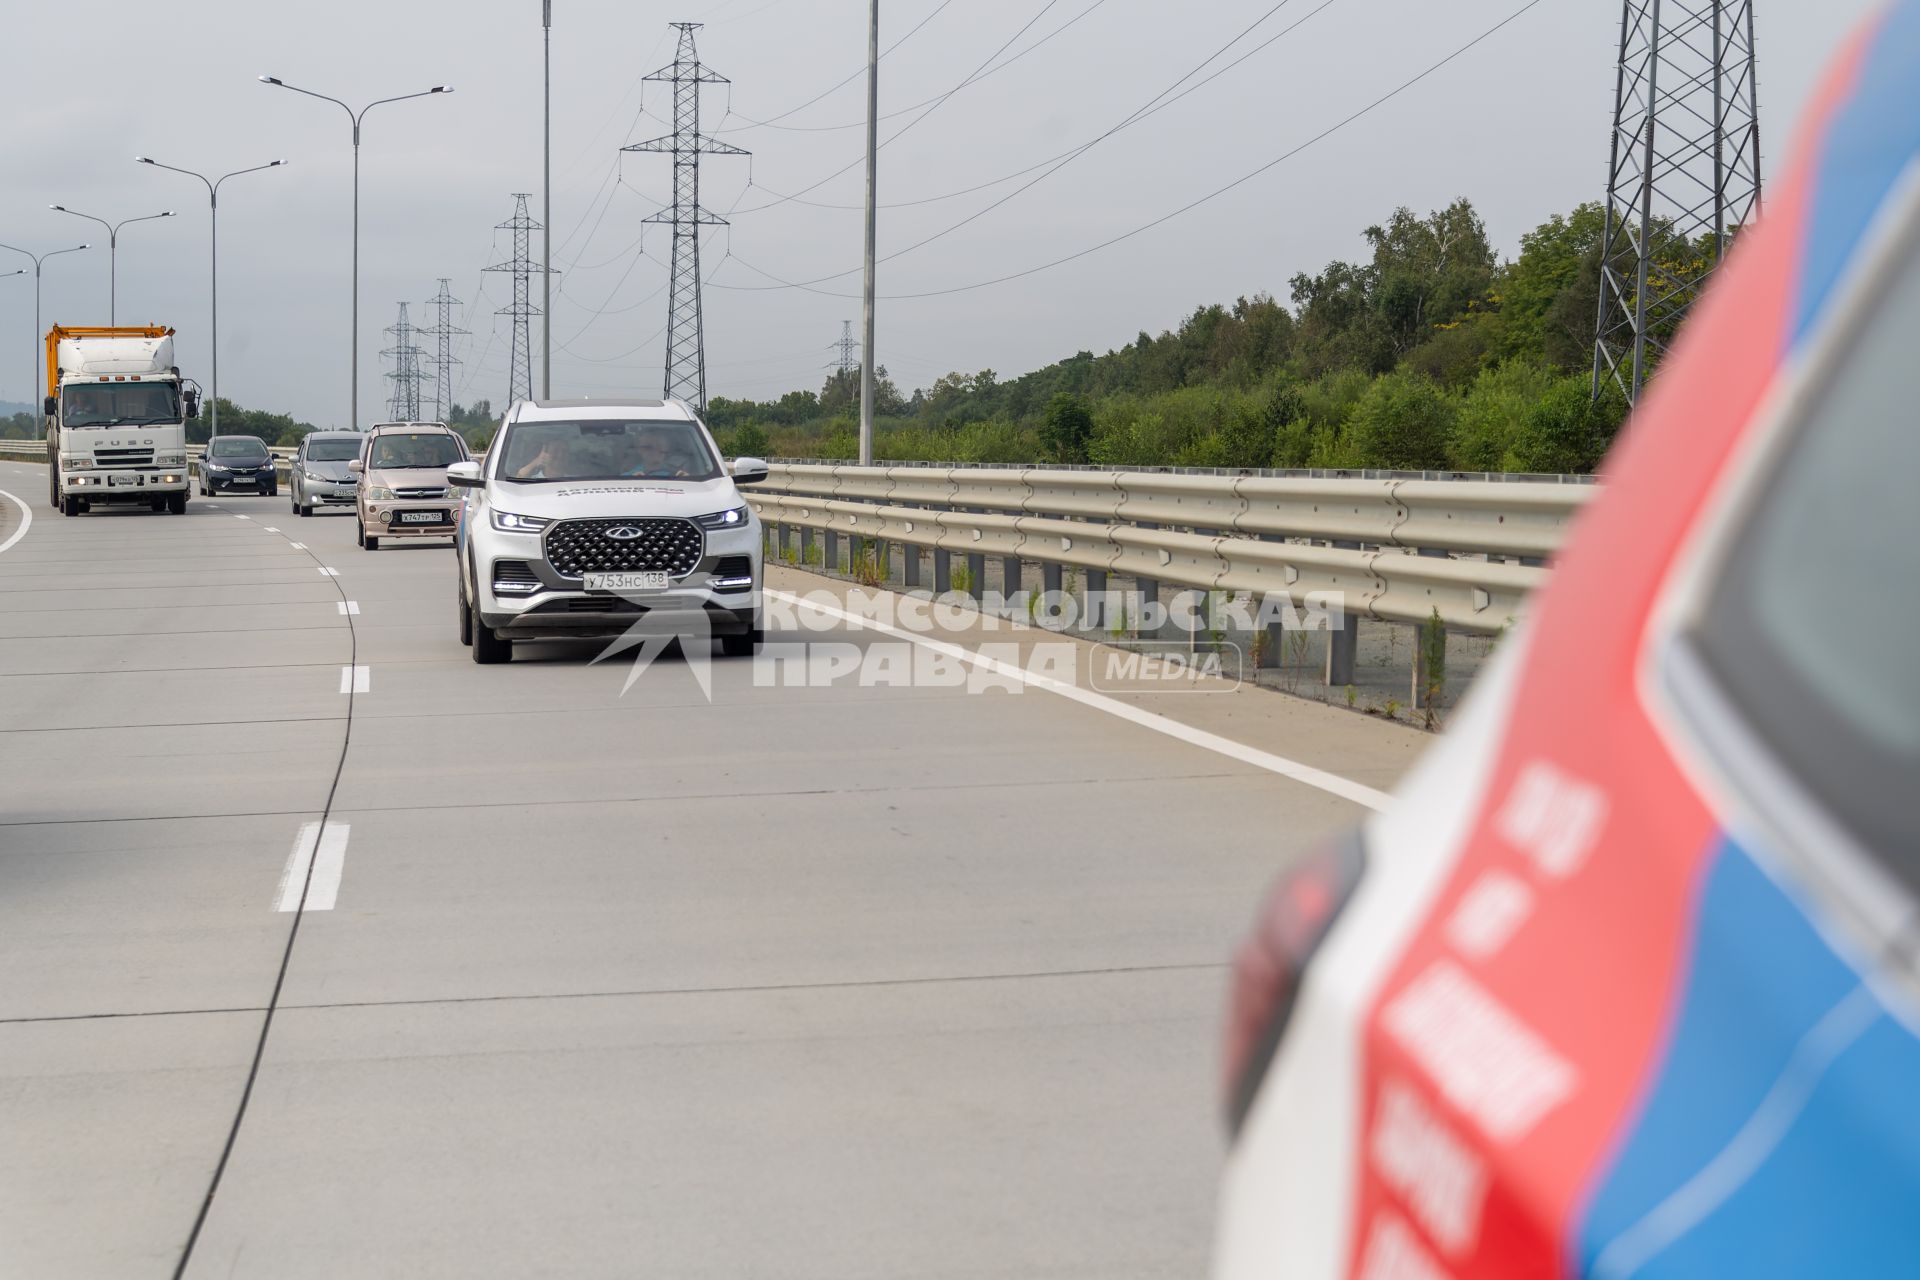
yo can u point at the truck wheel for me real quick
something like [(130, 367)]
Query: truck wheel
[(177, 503), (70, 506), (489, 647)]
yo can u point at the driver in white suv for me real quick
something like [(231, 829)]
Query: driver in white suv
[(590, 517)]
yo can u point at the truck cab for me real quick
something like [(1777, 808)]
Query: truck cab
[(116, 414)]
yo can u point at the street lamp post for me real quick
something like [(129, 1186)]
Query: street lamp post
[(34, 377), (213, 205), (546, 252), (355, 117), (113, 252)]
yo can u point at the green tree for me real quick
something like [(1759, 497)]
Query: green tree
[(1068, 428), (1402, 423), (749, 440)]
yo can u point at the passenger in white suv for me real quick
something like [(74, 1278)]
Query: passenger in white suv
[(590, 517)]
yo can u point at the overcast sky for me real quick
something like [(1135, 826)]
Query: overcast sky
[(1518, 124)]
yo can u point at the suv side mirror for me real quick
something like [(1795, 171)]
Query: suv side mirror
[(465, 475), (749, 470), (51, 406), (355, 467)]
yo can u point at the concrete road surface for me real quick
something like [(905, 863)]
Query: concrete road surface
[(443, 970)]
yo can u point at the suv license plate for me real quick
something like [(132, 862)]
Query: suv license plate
[(422, 517), (626, 582)]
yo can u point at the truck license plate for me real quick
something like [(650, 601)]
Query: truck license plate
[(122, 479), (626, 581)]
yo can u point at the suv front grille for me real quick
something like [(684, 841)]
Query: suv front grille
[(578, 547), (418, 494)]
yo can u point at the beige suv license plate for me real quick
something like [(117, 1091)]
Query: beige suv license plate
[(626, 582)]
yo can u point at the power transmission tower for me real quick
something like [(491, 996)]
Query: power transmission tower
[(444, 330), (686, 339), (1684, 173), (404, 404), (846, 347), (521, 309)]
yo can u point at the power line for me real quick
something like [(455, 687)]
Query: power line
[(839, 84), (443, 332), (404, 404), (521, 310), (1152, 107), (1684, 169), (940, 101), (1191, 205), (686, 375)]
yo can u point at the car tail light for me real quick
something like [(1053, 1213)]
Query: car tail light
[(1298, 912)]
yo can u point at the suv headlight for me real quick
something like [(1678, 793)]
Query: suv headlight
[(379, 493), (76, 464), (508, 522), (732, 518)]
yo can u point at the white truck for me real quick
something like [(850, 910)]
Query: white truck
[(116, 419)]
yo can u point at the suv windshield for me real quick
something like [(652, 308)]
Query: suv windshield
[(606, 449), (342, 450), (237, 447), (1811, 622), (120, 404), (400, 450)]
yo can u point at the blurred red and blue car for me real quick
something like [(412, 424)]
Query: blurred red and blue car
[(1627, 983)]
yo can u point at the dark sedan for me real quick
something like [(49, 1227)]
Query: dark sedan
[(237, 464)]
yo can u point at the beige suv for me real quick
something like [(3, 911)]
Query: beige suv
[(403, 481)]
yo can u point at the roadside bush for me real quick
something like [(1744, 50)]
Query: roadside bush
[(1402, 423)]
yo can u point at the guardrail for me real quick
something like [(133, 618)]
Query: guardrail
[(1396, 550)]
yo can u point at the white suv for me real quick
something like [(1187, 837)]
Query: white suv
[(591, 517)]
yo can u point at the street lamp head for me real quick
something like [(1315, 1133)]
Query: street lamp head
[(141, 160), (441, 88), (276, 164), (167, 214), (272, 80), (58, 208)]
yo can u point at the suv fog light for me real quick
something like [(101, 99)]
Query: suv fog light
[(732, 584), (386, 517)]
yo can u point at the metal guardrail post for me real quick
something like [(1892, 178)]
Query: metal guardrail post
[(1010, 576), (806, 546), (830, 553), (909, 565), (1343, 645), (1148, 590), (942, 571)]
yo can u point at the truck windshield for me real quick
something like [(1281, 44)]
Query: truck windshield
[(120, 404)]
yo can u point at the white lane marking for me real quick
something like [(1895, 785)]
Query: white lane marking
[(348, 606), (331, 573), (26, 522), (243, 517), (271, 529), (1332, 783), (356, 679), (299, 546), (314, 868)]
